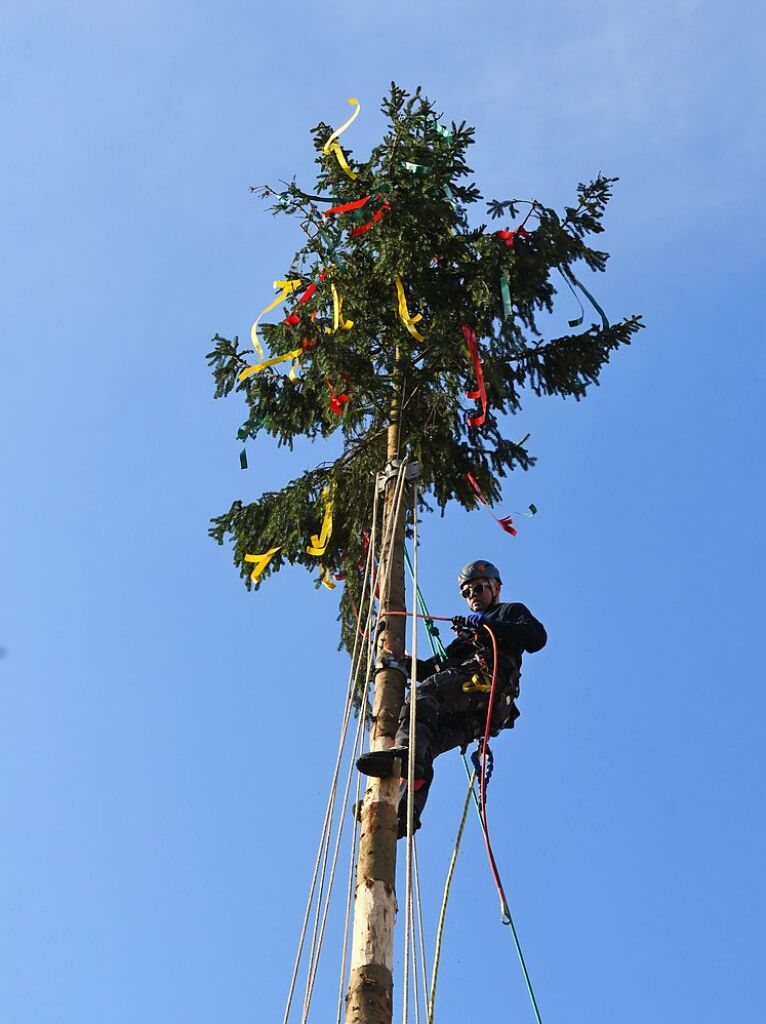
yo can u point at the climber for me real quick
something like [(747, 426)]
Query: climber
[(453, 694)]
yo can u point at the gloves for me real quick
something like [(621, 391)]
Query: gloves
[(472, 621)]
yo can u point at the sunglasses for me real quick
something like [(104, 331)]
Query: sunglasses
[(471, 589)]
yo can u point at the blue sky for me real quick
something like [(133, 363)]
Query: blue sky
[(166, 738)]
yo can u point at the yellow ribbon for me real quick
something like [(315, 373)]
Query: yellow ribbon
[(287, 288), (404, 313), (333, 146), (338, 320), (295, 354), (293, 374), (260, 562), (318, 543), (326, 581)]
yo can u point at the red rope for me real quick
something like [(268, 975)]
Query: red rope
[(483, 785), (416, 615)]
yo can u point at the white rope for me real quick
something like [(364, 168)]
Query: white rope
[(408, 926), (388, 541), (326, 826), (351, 877), (358, 792), (321, 919), (320, 872), (421, 930), (343, 804)]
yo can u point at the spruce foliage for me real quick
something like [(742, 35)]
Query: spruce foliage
[(419, 185)]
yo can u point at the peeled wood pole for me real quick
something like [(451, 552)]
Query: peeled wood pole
[(369, 999)]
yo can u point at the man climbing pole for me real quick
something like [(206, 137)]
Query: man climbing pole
[(453, 694)]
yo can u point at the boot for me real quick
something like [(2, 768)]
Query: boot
[(421, 795), (379, 764)]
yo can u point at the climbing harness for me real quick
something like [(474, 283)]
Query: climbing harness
[(480, 682)]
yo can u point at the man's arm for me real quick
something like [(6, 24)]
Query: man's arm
[(425, 668), (515, 623)]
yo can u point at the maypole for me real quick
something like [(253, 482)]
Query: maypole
[(394, 311)]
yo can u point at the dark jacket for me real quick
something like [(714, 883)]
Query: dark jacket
[(516, 631)]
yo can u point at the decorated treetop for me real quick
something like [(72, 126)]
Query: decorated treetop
[(397, 307)]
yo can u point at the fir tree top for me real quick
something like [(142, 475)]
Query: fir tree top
[(405, 288)]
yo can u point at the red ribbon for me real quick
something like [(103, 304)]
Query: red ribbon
[(337, 401), (293, 319), (506, 523), (509, 237), (481, 393), (375, 218), (347, 207)]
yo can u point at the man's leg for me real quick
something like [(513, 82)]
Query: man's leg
[(439, 691)]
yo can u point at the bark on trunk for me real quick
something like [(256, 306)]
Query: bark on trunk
[(369, 999)]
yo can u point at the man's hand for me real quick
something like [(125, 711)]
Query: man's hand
[(472, 621)]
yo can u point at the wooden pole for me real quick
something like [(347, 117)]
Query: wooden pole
[(369, 999)]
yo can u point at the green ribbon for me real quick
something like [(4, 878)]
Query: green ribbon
[(332, 244), (572, 280), (248, 429), (505, 291)]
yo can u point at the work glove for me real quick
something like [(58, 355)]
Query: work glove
[(475, 619)]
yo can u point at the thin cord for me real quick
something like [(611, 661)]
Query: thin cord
[(445, 899), (353, 671), (421, 929), (411, 775)]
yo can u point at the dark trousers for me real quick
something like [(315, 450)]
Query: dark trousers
[(448, 717)]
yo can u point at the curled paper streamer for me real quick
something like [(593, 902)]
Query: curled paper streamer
[(287, 287), (295, 355), (505, 292), (333, 146), (337, 401), (449, 195), (249, 429), (480, 392), (338, 320), (318, 543), (347, 207), (326, 581), (404, 313), (572, 280), (293, 374), (260, 562), (363, 228), (509, 237), (505, 522)]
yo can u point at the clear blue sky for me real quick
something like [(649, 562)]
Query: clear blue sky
[(166, 738)]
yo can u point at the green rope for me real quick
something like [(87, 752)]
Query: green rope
[(506, 910), (437, 647), (445, 898)]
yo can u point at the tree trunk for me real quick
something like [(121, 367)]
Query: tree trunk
[(369, 999)]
